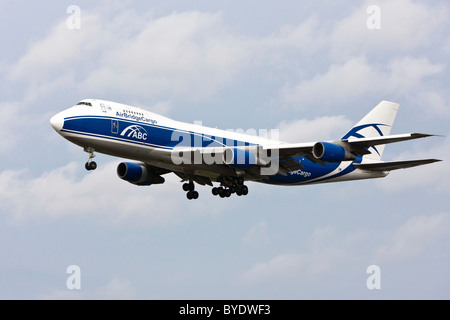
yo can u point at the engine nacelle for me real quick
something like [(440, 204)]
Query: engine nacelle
[(330, 152), (138, 174), (239, 158)]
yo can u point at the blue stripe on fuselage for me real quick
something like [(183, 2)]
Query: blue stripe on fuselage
[(152, 134)]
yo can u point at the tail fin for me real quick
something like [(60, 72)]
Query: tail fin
[(376, 123)]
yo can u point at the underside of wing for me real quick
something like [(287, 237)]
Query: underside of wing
[(393, 165)]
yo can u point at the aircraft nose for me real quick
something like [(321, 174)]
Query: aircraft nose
[(57, 122)]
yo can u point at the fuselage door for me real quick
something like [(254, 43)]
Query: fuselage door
[(114, 126)]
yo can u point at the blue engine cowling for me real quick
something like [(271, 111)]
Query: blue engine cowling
[(138, 174), (239, 158), (330, 152)]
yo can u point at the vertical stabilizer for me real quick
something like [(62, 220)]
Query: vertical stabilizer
[(377, 123)]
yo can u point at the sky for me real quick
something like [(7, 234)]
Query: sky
[(309, 69)]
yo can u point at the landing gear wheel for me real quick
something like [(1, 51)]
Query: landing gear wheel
[(90, 165), (192, 195), (189, 187)]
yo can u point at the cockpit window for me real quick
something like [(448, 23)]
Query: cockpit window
[(84, 103)]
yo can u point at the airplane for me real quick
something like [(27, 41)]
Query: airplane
[(203, 155)]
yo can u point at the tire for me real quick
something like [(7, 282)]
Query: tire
[(93, 165)]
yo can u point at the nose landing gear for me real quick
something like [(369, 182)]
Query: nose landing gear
[(90, 165)]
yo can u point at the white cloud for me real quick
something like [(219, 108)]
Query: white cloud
[(322, 128), (64, 295), (99, 194), (189, 54), (117, 289), (405, 26), (257, 235), (324, 250), (283, 266), (10, 128), (61, 50), (433, 177), (306, 38), (414, 237), (357, 77)]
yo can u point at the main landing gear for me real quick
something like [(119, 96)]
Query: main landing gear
[(229, 187), (191, 193), (90, 165)]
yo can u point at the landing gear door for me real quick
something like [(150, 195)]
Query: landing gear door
[(115, 126)]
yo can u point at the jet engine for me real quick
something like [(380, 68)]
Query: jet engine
[(330, 152), (138, 174)]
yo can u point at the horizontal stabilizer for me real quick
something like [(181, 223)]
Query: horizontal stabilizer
[(369, 142), (394, 165)]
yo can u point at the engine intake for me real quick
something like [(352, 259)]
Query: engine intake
[(138, 174), (331, 152)]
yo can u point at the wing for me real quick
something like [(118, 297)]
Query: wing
[(360, 146), (287, 155), (394, 165)]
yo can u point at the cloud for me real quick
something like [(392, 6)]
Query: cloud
[(321, 128), (117, 289), (325, 249), (414, 237), (405, 26), (100, 194), (357, 77), (10, 128), (432, 177), (62, 49), (64, 295), (257, 235)]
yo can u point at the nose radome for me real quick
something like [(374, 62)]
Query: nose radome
[(57, 122)]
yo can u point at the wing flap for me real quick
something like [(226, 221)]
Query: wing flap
[(393, 165)]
